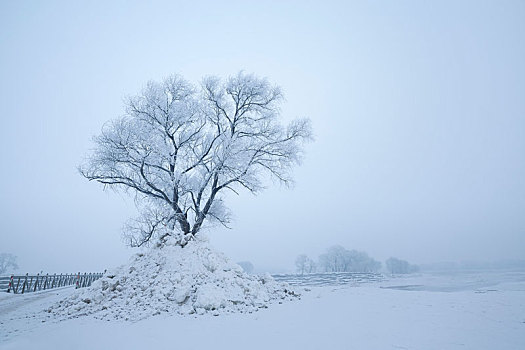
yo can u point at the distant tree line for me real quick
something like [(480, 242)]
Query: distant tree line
[(340, 259), (305, 265), (398, 266)]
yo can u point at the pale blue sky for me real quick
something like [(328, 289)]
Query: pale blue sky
[(418, 109)]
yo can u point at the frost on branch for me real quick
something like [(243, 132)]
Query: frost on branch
[(179, 147)]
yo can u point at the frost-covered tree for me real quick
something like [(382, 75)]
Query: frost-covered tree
[(398, 266), (334, 260), (7, 263), (311, 266), (300, 263), (339, 259), (179, 147), (304, 264)]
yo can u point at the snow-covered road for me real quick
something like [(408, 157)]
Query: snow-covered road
[(370, 316), (21, 313)]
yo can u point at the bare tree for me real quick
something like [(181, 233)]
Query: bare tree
[(311, 266), (300, 263), (179, 147), (339, 259), (398, 266), (335, 259), (7, 262), (304, 264)]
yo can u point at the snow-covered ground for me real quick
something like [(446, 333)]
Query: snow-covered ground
[(463, 311)]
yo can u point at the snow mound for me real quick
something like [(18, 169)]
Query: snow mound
[(192, 280)]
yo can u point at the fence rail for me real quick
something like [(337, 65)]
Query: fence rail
[(329, 278), (31, 283)]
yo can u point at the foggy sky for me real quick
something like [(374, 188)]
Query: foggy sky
[(418, 111)]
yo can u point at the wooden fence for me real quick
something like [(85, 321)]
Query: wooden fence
[(26, 283)]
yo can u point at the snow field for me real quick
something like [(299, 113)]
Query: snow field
[(173, 305), (344, 317)]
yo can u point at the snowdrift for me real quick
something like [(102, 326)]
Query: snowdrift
[(192, 280)]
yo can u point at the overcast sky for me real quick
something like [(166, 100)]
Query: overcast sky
[(418, 110)]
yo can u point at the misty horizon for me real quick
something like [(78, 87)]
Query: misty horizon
[(417, 112)]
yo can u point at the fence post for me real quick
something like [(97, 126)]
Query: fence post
[(25, 284), (17, 284), (36, 282), (45, 281), (78, 281), (10, 286)]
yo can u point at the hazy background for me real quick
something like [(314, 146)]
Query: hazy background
[(418, 110)]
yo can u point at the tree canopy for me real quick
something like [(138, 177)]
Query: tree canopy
[(180, 146)]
